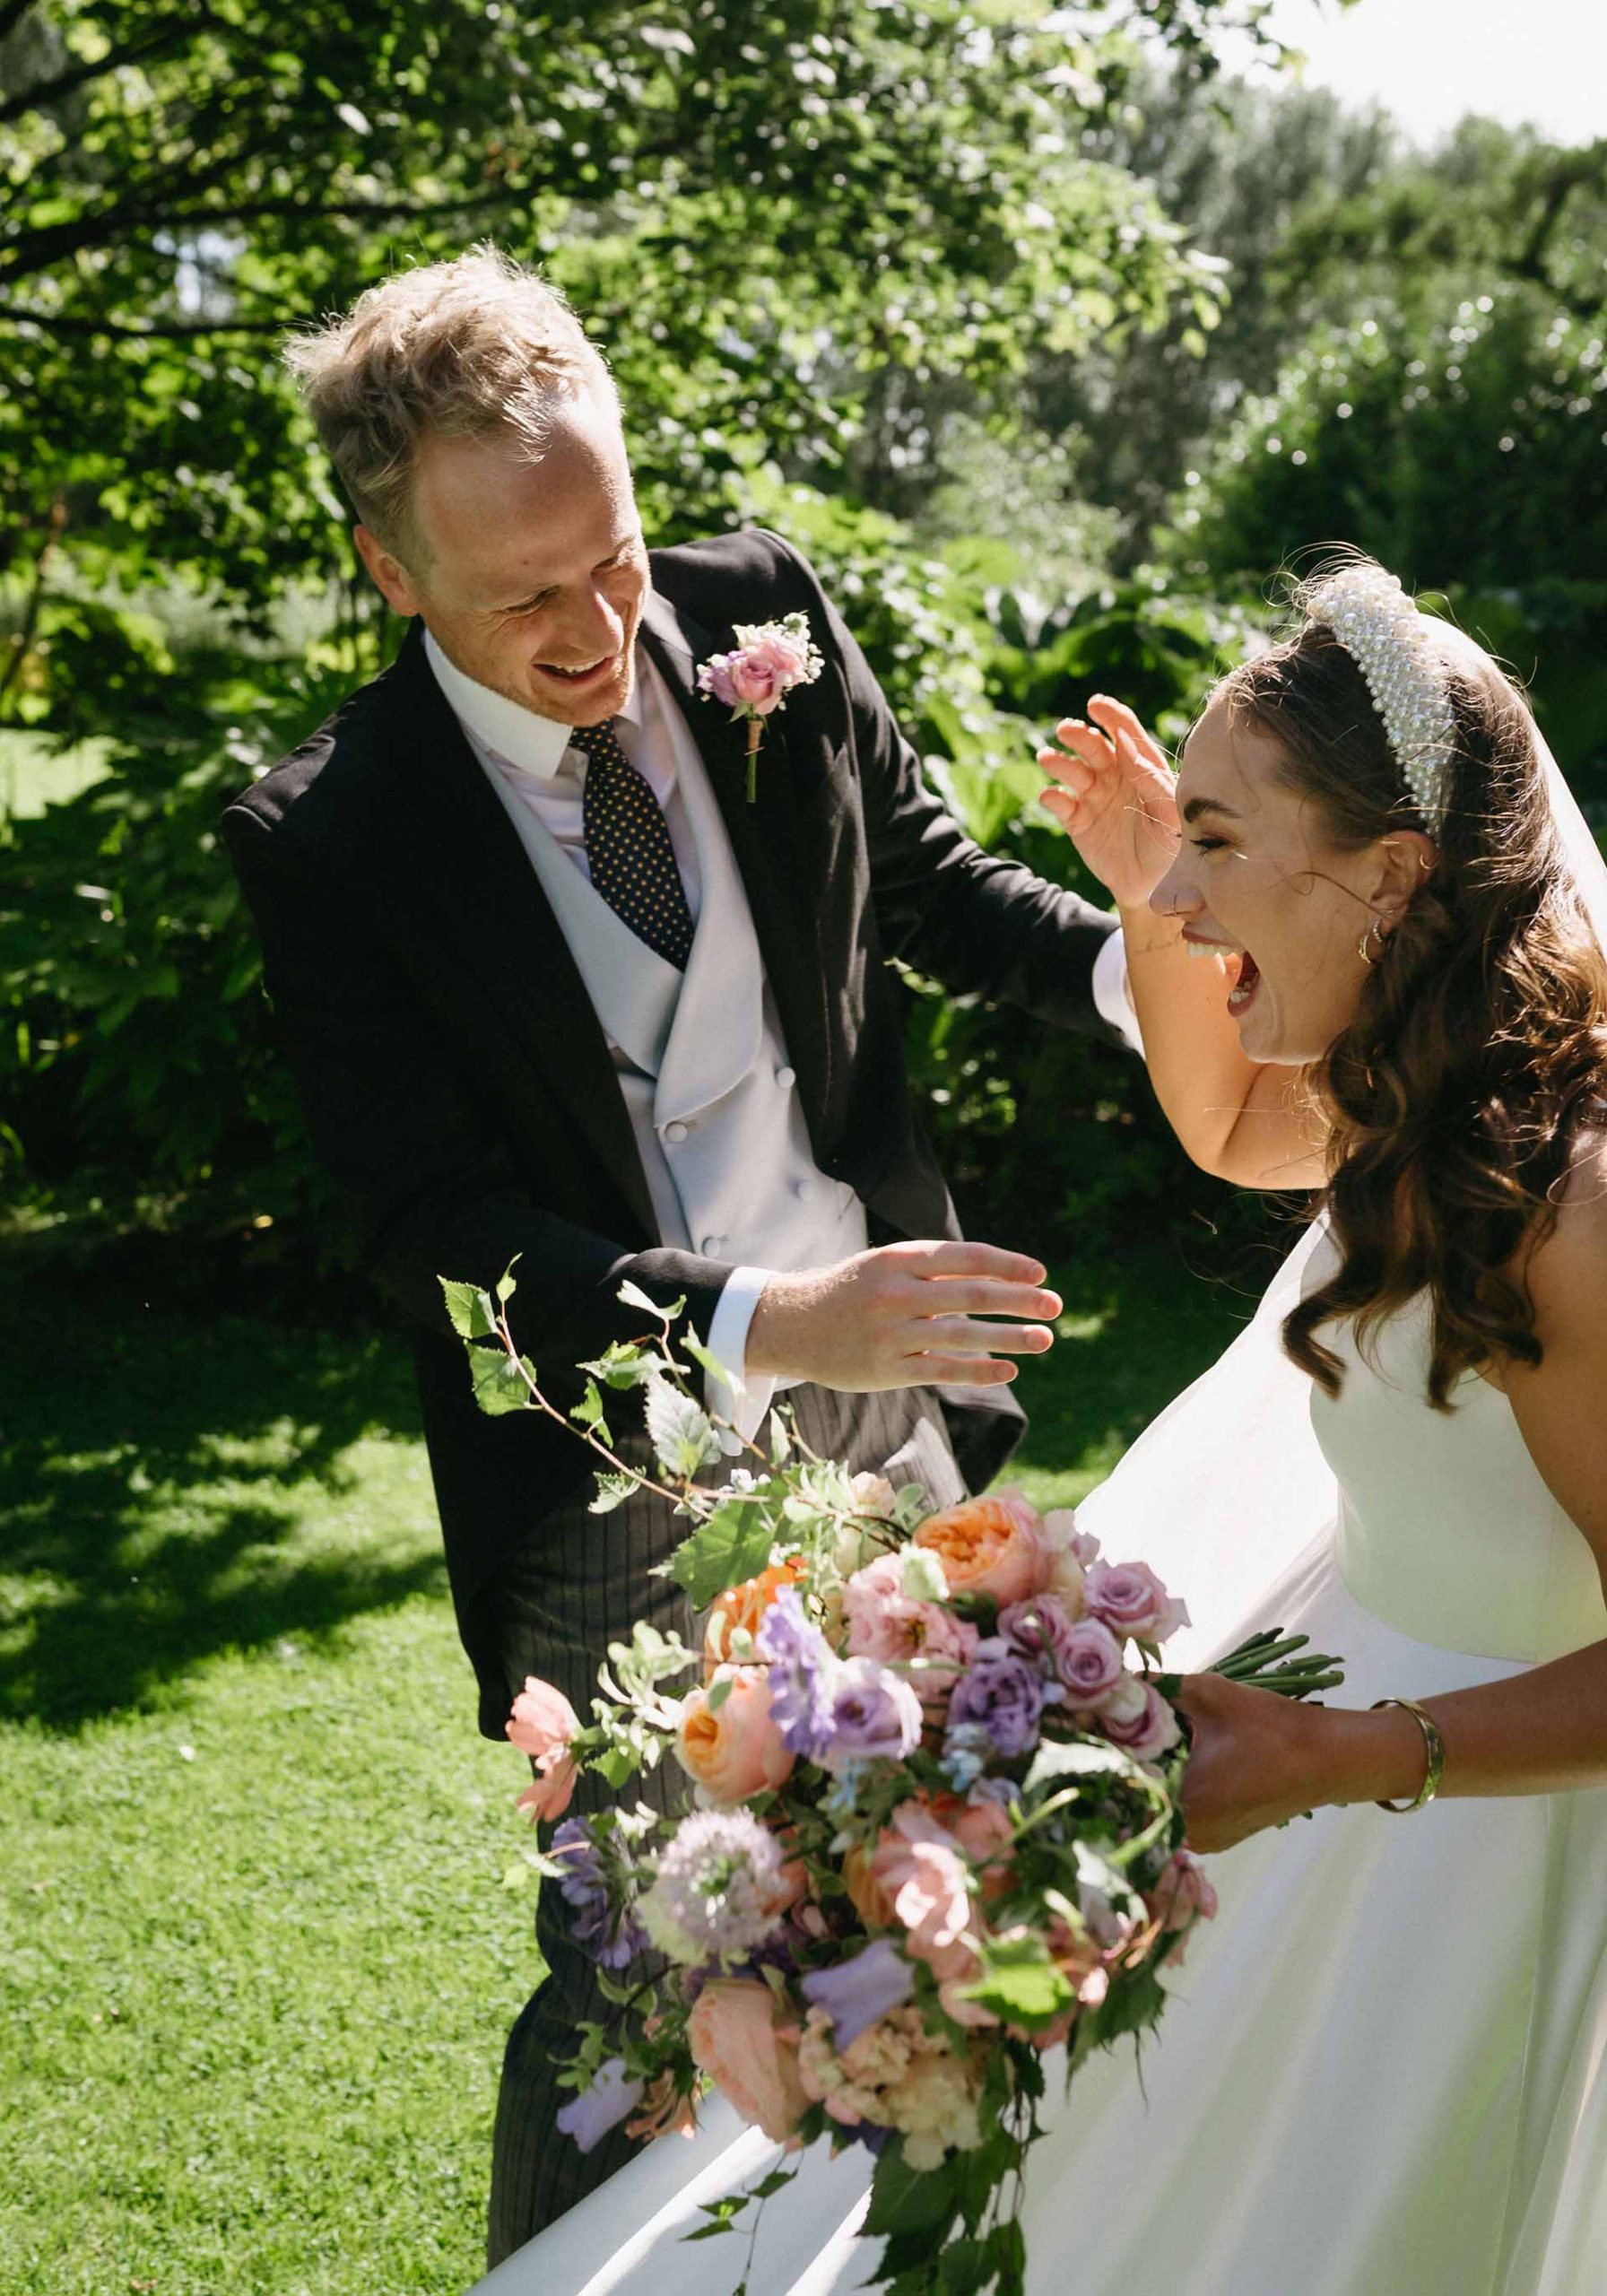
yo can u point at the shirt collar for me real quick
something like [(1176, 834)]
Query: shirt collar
[(521, 737)]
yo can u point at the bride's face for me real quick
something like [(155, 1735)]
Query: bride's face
[(1256, 879)]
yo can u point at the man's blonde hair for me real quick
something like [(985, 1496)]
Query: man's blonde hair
[(460, 349)]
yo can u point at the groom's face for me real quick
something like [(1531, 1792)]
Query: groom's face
[(533, 571)]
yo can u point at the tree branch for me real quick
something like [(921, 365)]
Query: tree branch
[(45, 92), (38, 250), (66, 323), (22, 638)]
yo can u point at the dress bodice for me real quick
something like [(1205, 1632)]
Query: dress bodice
[(1447, 1530)]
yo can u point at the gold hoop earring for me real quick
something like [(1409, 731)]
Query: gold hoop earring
[(1375, 930)]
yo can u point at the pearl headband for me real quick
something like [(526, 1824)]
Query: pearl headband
[(1386, 636)]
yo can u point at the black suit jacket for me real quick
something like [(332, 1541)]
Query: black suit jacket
[(458, 1086)]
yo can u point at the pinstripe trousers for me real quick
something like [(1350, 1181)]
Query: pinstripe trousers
[(576, 1583)]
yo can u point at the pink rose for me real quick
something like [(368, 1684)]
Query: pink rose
[(541, 1724), (733, 2037), (1131, 1600), (758, 682), (918, 1872), (734, 1749), (1182, 1896), (982, 1828), (1135, 1716), (990, 1547), (884, 1624)]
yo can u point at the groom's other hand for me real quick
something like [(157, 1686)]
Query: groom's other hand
[(911, 1315)]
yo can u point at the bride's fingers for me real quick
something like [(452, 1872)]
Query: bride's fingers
[(1071, 772), (1086, 742), (1115, 719)]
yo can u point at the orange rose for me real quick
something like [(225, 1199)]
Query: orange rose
[(746, 1607), (990, 1547), (733, 1749)]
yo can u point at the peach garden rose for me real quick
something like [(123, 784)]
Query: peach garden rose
[(733, 1749), (994, 1546), (734, 2037)]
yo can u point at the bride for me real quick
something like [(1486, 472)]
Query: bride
[(1383, 2070)]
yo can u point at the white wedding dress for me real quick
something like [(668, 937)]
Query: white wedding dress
[(1382, 2071)]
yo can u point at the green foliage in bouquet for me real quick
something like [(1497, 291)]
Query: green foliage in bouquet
[(939, 1831)]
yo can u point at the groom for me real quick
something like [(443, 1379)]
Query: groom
[(555, 989)]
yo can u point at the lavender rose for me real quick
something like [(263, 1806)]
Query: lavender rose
[(875, 1716), (1139, 1718), (1090, 1659), (1039, 1629), (1131, 1600), (1004, 1696)]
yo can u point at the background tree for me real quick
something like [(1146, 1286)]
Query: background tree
[(781, 217)]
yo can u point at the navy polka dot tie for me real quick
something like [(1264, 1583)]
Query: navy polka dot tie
[(628, 843)]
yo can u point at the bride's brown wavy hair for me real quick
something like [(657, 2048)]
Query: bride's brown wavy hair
[(1479, 1047)]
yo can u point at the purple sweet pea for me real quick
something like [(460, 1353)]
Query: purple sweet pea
[(592, 2112), (613, 1940), (875, 1715), (855, 1993), (1003, 1696), (802, 1679)]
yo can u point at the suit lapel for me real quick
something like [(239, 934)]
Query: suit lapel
[(764, 835), (454, 839)]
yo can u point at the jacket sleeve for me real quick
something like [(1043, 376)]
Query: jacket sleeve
[(978, 923), (393, 1121)]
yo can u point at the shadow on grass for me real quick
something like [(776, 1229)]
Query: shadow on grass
[(171, 1486)]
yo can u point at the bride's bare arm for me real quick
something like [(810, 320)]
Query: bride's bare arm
[(1540, 1732), (1247, 1123), (1244, 1120)]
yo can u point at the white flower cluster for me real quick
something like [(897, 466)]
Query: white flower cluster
[(1381, 629)]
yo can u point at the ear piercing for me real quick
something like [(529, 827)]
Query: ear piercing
[(1376, 934)]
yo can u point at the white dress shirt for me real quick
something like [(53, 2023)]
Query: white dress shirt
[(1113, 993), (531, 758)]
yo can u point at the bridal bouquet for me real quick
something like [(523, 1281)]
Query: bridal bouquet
[(934, 1762)]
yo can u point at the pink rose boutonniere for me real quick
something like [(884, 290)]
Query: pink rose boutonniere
[(769, 660)]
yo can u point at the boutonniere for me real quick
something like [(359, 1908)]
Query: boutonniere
[(769, 660)]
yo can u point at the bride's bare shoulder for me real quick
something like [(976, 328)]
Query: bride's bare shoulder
[(1557, 1401), (1565, 1269)]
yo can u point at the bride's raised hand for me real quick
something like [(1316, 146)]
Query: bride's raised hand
[(1114, 798)]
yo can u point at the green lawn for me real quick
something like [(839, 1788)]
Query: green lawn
[(256, 1960)]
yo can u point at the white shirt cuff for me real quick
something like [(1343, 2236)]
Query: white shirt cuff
[(1112, 993), (728, 1344)]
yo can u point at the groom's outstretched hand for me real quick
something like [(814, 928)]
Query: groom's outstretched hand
[(911, 1315)]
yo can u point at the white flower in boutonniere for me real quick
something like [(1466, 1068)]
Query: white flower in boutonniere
[(769, 660)]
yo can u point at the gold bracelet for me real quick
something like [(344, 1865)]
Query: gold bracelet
[(1435, 1745)]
